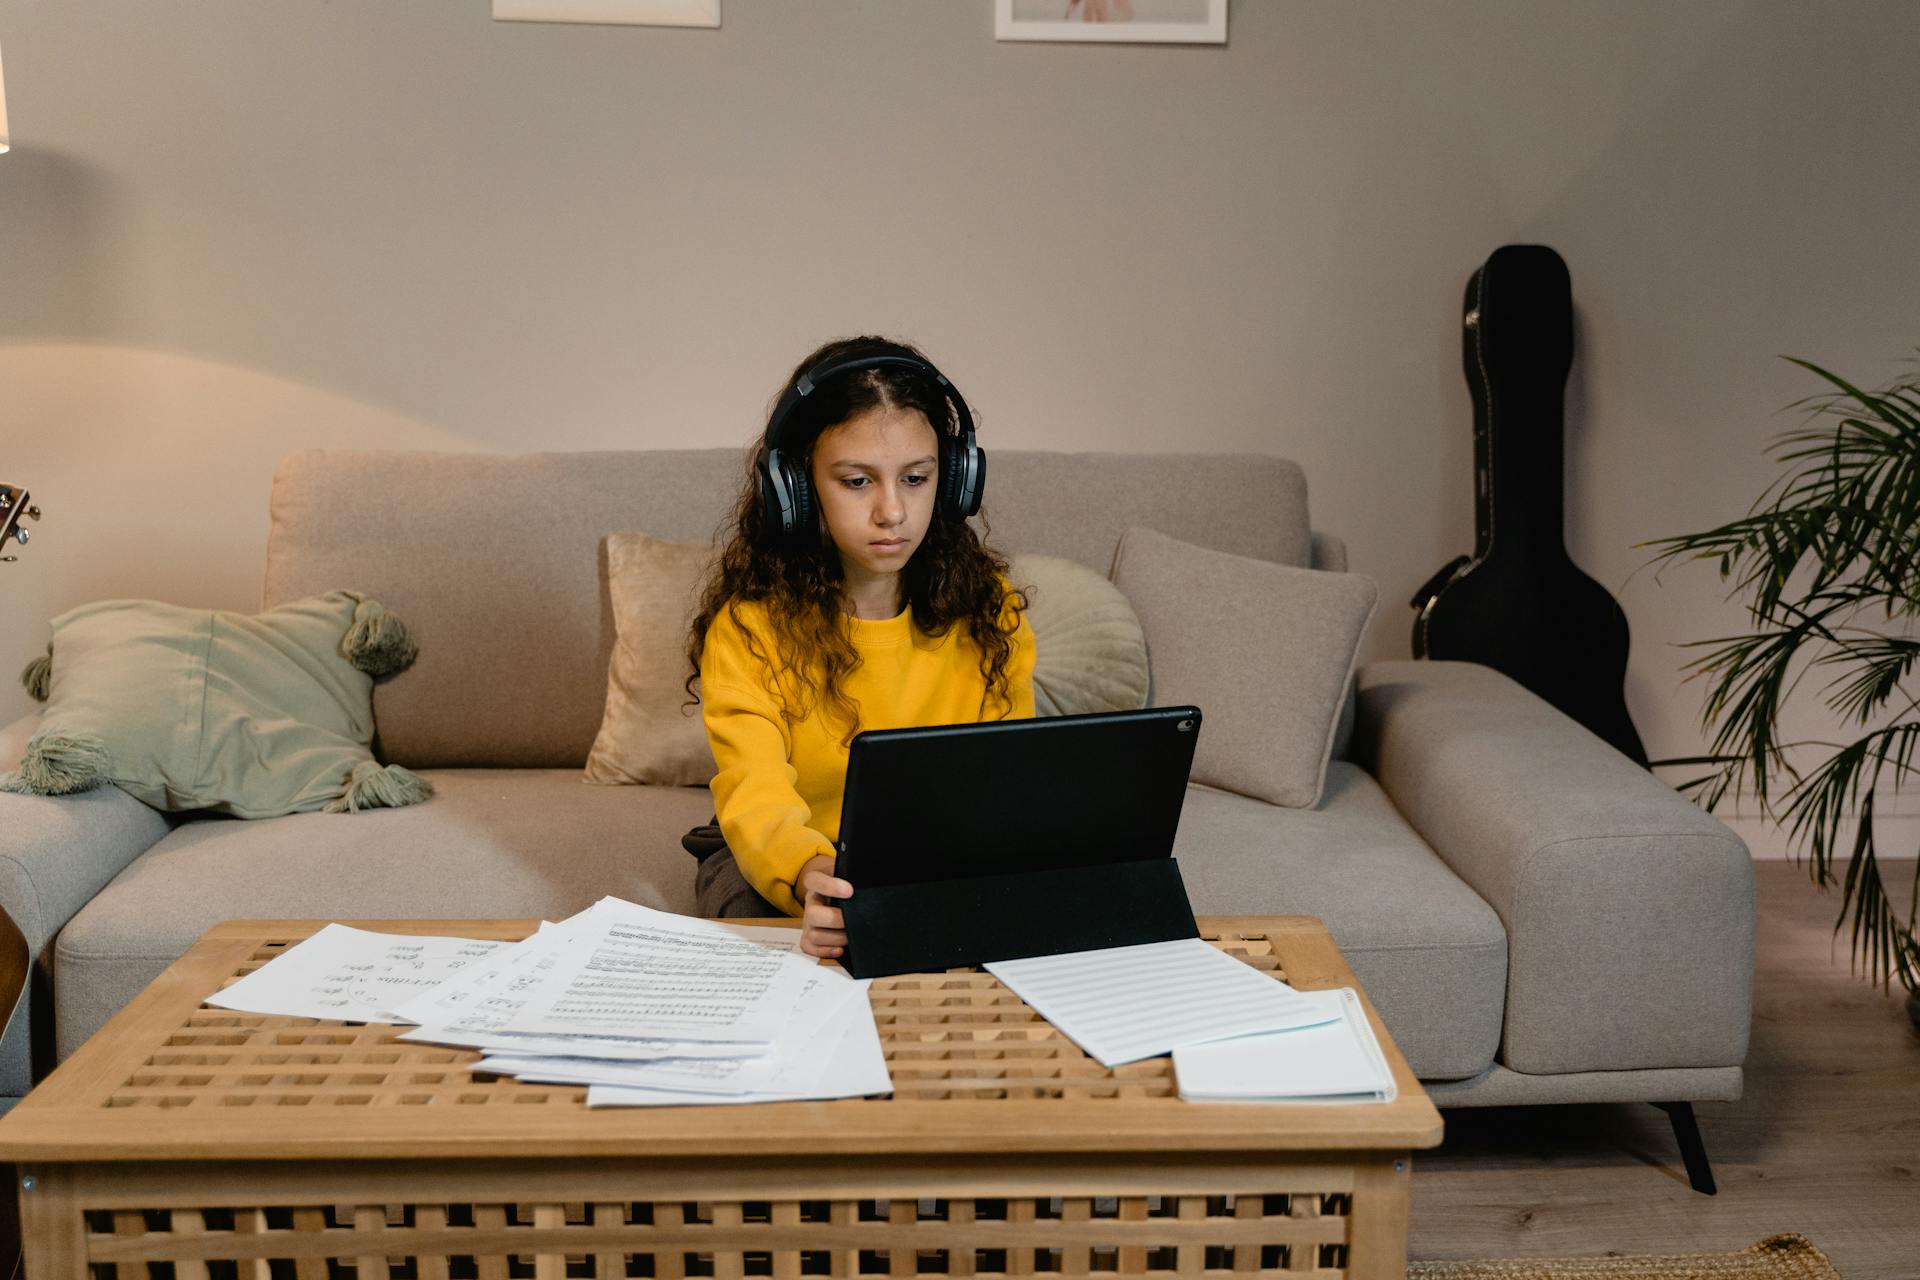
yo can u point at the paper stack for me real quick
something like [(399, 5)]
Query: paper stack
[(1338, 1060), (1121, 1004), (1235, 1034), (644, 1007)]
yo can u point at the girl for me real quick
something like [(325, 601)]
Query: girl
[(852, 594)]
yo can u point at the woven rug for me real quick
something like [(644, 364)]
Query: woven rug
[(1784, 1257)]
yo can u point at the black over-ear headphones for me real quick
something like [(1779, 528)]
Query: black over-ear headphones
[(786, 490)]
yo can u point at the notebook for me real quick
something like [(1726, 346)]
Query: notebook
[(1335, 1061)]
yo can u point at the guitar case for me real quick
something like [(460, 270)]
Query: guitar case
[(1519, 604)]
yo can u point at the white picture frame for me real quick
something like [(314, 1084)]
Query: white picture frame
[(1130, 21), (635, 13)]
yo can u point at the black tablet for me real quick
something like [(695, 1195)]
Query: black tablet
[(948, 802)]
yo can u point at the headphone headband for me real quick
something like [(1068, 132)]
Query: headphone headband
[(785, 489), (811, 380)]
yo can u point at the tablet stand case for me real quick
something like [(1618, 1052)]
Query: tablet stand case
[(945, 924)]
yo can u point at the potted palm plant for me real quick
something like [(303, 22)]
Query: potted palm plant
[(1827, 565)]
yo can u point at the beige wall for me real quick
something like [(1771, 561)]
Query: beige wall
[(232, 228)]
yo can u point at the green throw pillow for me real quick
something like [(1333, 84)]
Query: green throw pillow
[(1089, 652), (255, 716)]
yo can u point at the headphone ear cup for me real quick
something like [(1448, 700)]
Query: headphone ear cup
[(774, 498), (963, 467), (801, 488), (785, 497), (949, 478)]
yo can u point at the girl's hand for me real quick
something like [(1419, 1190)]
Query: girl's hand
[(823, 932)]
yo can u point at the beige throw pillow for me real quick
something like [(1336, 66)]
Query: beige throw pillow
[(1089, 651), (1090, 655), (1264, 650), (647, 733)]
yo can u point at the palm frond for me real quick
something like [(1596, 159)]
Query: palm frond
[(1834, 538), (1879, 665)]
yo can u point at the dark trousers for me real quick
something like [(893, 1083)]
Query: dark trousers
[(718, 886)]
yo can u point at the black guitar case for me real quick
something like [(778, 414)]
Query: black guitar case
[(1519, 604)]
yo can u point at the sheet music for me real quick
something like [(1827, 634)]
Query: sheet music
[(1121, 1004), (482, 1006), (616, 1048), (843, 1060), (816, 1013), (637, 972), (437, 1005), (511, 966), (675, 1008), (692, 1075), (352, 974), (514, 967)]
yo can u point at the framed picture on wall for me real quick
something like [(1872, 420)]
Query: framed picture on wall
[(639, 13), (1140, 21)]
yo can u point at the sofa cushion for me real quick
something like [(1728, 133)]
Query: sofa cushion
[(1091, 655), (491, 843), (1089, 652), (496, 564), (514, 843), (55, 854), (1431, 954), (651, 731), (1608, 881), (1265, 651), (253, 715)]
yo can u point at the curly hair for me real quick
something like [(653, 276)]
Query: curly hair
[(952, 577)]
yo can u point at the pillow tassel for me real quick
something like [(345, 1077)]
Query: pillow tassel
[(59, 764), (38, 677), (376, 786), (377, 642)]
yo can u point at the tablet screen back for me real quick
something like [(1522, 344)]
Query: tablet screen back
[(951, 801)]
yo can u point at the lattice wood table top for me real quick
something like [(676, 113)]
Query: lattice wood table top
[(975, 1071)]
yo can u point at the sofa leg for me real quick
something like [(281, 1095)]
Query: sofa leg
[(1686, 1132)]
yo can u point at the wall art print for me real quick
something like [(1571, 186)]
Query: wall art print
[(1137, 21)]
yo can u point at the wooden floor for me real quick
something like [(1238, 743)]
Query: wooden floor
[(1825, 1142)]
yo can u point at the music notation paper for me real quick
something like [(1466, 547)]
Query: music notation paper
[(669, 1009), (841, 1060), (352, 975), (1122, 1004), (819, 1020), (628, 970), (621, 1048)]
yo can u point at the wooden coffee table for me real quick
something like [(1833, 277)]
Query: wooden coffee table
[(289, 1146)]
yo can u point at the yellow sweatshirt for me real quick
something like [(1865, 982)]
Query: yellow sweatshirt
[(778, 790)]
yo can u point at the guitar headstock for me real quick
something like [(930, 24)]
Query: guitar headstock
[(16, 504)]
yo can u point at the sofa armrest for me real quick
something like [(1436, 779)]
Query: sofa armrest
[(55, 854), (1628, 909)]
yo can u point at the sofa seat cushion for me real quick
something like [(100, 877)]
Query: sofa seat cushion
[(491, 843), (1430, 952), (538, 842)]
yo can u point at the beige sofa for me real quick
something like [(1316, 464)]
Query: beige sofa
[(1537, 919)]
